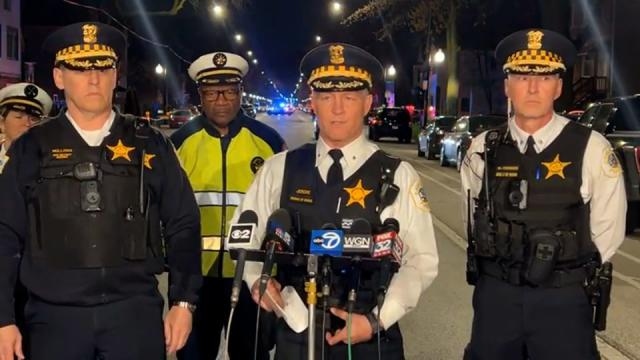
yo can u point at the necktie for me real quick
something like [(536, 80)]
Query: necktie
[(334, 176), (531, 151)]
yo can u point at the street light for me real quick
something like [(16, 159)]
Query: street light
[(238, 37), (249, 53), (391, 71), (162, 71), (318, 39), (336, 7), (438, 57), (218, 11), (255, 61)]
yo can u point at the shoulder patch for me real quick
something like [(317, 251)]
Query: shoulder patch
[(610, 163), (419, 197)]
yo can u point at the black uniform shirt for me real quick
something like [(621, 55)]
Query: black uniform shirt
[(179, 214)]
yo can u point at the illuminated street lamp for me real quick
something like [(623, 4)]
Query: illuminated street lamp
[(438, 57), (391, 72), (255, 61), (218, 11), (336, 7), (318, 39), (238, 38), (162, 71), (249, 53)]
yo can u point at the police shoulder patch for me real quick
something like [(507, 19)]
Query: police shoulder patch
[(610, 163), (256, 164), (419, 197)]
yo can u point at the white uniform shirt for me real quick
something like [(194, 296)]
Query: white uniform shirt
[(602, 180), (94, 137), (420, 258)]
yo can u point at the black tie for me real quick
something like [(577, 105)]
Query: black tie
[(334, 176), (531, 151)]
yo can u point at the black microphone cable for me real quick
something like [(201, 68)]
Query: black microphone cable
[(326, 288)]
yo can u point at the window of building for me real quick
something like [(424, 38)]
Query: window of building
[(13, 45), (7, 5)]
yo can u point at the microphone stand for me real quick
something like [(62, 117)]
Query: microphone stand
[(310, 287)]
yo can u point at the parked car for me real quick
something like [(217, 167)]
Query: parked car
[(431, 135), (455, 143), (391, 122), (161, 119), (249, 110), (179, 117), (618, 119)]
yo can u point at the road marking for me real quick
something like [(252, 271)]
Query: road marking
[(457, 192), (607, 350), (627, 255)]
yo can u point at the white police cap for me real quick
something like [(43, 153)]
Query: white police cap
[(25, 97), (219, 68)]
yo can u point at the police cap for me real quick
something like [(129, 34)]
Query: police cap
[(340, 67), (218, 68), (86, 46), (535, 51), (25, 97)]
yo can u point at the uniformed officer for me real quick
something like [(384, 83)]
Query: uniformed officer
[(83, 196), (337, 180), (555, 206), (21, 106), (221, 150)]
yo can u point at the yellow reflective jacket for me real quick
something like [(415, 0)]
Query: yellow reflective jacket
[(220, 170)]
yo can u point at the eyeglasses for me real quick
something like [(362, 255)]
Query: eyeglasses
[(214, 95)]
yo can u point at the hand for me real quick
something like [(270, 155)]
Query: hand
[(273, 289), (177, 326), (360, 329), (10, 343)]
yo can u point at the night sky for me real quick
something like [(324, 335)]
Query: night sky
[(279, 32)]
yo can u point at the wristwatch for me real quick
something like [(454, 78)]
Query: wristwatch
[(375, 324), (185, 304)]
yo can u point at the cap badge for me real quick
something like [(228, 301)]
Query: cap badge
[(336, 53), (31, 91), (89, 33), (219, 59), (534, 40)]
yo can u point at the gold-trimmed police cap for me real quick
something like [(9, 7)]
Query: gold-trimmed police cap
[(218, 68), (86, 46), (25, 97), (535, 51), (340, 67)]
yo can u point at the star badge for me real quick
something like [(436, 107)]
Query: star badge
[(147, 160), (357, 194), (120, 150), (555, 167)]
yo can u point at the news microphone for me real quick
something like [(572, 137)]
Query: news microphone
[(277, 239), (358, 239), (388, 246), (327, 241), (241, 233)]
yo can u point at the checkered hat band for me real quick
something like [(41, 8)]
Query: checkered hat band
[(85, 51), (340, 71)]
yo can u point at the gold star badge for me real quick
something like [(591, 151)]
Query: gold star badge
[(555, 167), (147, 160), (120, 150), (357, 194)]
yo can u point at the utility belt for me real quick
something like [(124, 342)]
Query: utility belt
[(517, 275)]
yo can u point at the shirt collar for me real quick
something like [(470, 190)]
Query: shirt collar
[(105, 130), (543, 137), (351, 152)]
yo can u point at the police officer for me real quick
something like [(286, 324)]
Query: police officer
[(21, 106), (221, 150), (337, 180), (555, 206), (83, 197)]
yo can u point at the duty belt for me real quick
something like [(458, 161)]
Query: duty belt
[(514, 275)]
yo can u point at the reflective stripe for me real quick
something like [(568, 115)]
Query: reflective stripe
[(212, 198), (211, 243)]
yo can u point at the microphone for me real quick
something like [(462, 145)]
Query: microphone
[(328, 241), (277, 239), (241, 233), (358, 240), (388, 247)]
